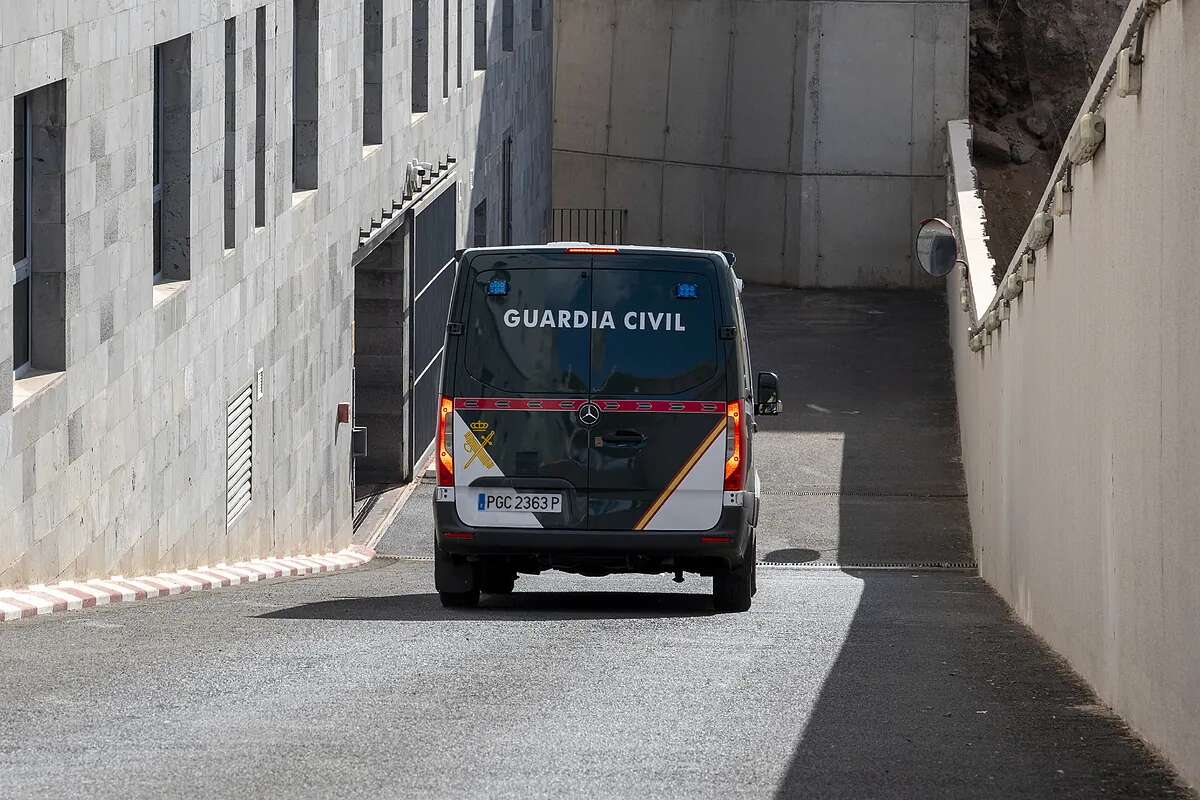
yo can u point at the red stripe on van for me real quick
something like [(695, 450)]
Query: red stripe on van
[(574, 404), (517, 404)]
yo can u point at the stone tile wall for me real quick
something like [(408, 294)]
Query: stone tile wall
[(117, 463)]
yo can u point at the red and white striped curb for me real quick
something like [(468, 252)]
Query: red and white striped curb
[(72, 595)]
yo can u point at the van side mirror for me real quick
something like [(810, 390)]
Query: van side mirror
[(766, 399), (937, 247)]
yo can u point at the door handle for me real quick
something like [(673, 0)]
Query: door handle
[(624, 439)]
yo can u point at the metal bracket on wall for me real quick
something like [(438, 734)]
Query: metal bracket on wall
[(371, 238)]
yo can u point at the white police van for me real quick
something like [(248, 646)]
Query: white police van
[(597, 416)]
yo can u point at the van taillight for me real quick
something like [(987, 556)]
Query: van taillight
[(445, 442), (735, 451)]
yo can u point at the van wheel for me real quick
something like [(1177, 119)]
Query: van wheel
[(455, 579), (734, 588), (497, 580)]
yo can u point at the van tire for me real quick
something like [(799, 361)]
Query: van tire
[(456, 580), (734, 588)]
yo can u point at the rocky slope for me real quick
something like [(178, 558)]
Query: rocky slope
[(1032, 62)]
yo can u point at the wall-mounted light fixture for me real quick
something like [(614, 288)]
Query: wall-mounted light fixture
[(1086, 137), (1062, 199), (1063, 191), (1028, 267), (1012, 286), (1040, 231), (1129, 72), (1130, 59)]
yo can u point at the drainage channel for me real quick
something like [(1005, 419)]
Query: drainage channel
[(834, 491), (883, 566), (869, 566)]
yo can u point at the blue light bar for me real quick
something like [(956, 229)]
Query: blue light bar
[(497, 288), (686, 291)]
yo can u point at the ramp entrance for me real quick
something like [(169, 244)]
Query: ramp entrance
[(863, 469), (401, 298)]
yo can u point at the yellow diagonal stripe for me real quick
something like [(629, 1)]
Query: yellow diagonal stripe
[(679, 476)]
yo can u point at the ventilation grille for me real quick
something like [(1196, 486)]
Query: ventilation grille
[(239, 454)]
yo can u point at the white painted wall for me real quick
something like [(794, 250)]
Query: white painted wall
[(806, 135), (1081, 418)]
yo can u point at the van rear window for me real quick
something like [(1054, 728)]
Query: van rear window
[(526, 326), (663, 333), (549, 324)]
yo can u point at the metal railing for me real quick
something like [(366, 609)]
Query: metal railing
[(595, 225), (976, 284)]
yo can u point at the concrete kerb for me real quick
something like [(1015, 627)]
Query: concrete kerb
[(422, 472), (41, 599)]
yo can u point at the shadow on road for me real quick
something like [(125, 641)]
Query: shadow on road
[(517, 606), (937, 690)]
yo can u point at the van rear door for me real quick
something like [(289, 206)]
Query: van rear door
[(658, 380), (521, 375)]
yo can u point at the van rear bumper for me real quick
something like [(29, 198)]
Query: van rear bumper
[(724, 543)]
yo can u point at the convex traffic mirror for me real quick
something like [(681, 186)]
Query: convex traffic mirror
[(937, 249)]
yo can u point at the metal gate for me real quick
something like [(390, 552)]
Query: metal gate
[(595, 225), (433, 243)]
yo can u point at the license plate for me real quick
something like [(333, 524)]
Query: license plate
[(526, 502)]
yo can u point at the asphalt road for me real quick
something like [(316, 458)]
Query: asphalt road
[(838, 683)]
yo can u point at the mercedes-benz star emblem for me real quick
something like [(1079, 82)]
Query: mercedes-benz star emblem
[(589, 414)]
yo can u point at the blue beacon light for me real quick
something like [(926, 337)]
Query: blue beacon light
[(686, 291), (497, 287)]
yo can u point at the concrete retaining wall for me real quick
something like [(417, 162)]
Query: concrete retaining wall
[(1081, 417), (117, 464), (805, 136)]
